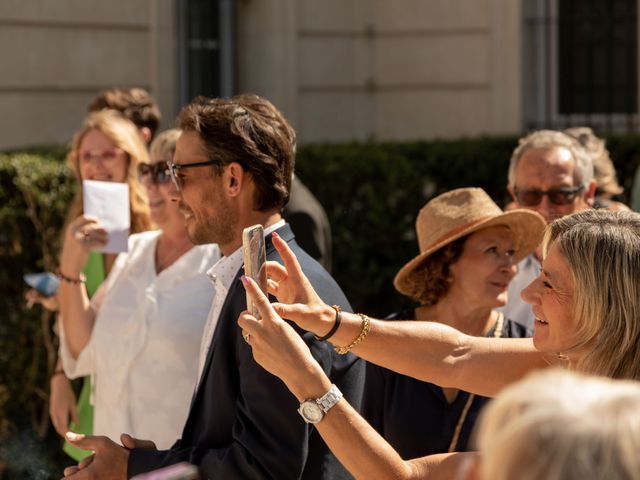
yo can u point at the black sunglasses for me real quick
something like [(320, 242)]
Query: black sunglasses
[(557, 196), (175, 167), (159, 172)]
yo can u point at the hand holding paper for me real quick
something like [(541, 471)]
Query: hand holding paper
[(109, 202)]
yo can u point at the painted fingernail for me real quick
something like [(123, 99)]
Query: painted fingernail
[(275, 234), (244, 280), (73, 436)]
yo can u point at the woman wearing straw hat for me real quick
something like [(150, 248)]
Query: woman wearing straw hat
[(469, 249)]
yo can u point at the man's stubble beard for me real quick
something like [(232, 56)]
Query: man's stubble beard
[(218, 228)]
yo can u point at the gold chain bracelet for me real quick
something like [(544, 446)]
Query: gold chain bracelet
[(366, 327)]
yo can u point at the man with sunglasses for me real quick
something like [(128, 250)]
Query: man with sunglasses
[(232, 168), (552, 174)]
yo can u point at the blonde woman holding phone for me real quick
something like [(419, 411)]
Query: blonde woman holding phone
[(587, 306)]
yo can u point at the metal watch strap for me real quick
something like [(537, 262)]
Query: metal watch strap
[(329, 399)]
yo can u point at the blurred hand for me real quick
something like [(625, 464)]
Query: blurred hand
[(109, 462), (33, 296), (62, 404)]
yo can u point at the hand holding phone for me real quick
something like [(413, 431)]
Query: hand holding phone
[(254, 256), (45, 283)]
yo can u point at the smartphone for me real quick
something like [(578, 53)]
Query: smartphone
[(45, 283), (254, 255), (179, 471)]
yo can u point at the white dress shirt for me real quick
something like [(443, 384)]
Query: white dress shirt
[(222, 274), (517, 309), (143, 349)]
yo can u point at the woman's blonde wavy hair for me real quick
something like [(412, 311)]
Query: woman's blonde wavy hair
[(602, 249), (126, 136)]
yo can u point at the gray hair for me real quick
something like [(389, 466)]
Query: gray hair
[(551, 139), (164, 143), (604, 171), (560, 425)]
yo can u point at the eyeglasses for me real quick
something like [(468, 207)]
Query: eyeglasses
[(105, 156), (557, 196), (158, 172), (174, 167)]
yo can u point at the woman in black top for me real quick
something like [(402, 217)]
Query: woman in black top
[(416, 417), (459, 278)]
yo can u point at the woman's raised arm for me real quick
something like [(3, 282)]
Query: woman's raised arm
[(428, 351), (77, 316)]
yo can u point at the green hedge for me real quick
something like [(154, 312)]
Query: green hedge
[(371, 192), (35, 190)]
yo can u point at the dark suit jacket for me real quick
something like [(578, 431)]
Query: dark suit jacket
[(309, 223), (243, 422)]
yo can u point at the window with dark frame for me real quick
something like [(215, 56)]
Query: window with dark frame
[(597, 56), (580, 64), (206, 30)]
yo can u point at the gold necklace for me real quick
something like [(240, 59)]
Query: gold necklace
[(467, 406)]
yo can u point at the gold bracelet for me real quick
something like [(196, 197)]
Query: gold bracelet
[(366, 326)]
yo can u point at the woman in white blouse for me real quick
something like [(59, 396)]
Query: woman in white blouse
[(139, 336)]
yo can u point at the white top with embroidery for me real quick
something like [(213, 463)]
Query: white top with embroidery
[(143, 350), (517, 309)]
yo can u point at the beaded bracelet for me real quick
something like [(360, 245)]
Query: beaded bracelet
[(366, 326), (336, 324), (75, 281)]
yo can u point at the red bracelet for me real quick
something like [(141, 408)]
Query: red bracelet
[(76, 281)]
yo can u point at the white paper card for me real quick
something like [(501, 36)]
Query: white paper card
[(109, 203)]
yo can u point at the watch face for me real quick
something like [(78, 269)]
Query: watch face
[(311, 412)]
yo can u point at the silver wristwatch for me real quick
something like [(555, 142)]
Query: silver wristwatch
[(313, 410)]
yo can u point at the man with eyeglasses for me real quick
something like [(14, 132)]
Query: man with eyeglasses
[(552, 174), (232, 168)]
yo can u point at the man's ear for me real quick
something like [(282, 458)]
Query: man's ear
[(511, 192), (590, 192), (235, 179), (146, 134)]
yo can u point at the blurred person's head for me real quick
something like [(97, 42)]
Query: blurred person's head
[(559, 425), (469, 249), (248, 150), (604, 172), (552, 174), (155, 177), (136, 104), (587, 298), (108, 147)]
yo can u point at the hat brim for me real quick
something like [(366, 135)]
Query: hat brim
[(527, 230)]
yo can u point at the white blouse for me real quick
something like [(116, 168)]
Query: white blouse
[(143, 350)]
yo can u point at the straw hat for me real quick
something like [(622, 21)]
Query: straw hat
[(460, 212)]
